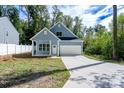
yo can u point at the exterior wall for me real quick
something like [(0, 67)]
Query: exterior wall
[(43, 38), (6, 27), (60, 28)]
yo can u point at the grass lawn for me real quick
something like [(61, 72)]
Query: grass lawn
[(97, 57), (33, 72)]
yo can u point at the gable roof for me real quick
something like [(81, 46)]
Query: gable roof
[(42, 31), (4, 21), (65, 28)]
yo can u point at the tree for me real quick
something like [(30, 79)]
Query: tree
[(115, 57), (68, 21), (38, 18), (77, 29), (12, 13), (57, 15)]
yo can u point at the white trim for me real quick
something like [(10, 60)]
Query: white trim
[(58, 47), (65, 27), (42, 31), (33, 47), (50, 47)]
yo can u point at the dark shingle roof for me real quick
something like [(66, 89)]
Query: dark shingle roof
[(67, 38)]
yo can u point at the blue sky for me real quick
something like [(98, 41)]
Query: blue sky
[(90, 14)]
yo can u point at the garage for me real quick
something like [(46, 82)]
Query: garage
[(68, 50)]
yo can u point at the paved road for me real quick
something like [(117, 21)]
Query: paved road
[(88, 73)]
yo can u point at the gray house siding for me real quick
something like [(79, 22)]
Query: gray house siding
[(67, 44), (8, 33), (45, 38), (60, 28)]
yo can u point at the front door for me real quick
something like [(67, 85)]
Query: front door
[(54, 49)]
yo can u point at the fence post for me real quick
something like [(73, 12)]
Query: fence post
[(25, 47), (21, 48), (28, 48), (7, 48), (15, 48)]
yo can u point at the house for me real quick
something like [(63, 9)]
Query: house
[(58, 41), (8, 33)]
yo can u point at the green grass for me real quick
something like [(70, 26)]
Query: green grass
[(22, 70), (95, 57), (100, 58)]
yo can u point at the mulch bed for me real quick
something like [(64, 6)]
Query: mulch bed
[(6, 58), (14, 56)]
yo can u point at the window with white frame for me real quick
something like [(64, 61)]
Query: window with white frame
[(44, 47), (59, 33)]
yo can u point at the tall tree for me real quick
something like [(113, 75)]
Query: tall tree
[(12, 13), (77, 25), (57, 15), (38, 18), (115, 57), (68, 21)]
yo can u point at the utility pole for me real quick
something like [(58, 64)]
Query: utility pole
[(115, 57)]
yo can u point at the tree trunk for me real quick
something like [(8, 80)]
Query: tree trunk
[(115, 57)]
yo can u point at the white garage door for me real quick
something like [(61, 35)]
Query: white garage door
[(70, 50)]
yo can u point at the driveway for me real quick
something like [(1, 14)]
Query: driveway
[(88, 73)]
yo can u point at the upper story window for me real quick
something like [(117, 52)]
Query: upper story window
[(59, 33)]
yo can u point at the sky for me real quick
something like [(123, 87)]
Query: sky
[(90, 14)]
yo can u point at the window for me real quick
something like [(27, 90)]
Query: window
[(40, 47), (59, 33), (48, 47), (44, 47)]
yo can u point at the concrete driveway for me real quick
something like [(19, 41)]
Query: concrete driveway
[(88, 73)]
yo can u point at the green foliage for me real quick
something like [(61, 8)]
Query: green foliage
[(38, 17), (121, 44), (98, 43)]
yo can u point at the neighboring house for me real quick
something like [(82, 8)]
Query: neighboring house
[(8, 33), (58, 41)]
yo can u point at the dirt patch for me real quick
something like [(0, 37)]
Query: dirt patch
[(14, 56), (22, 55), (26, 55), (42, 82), (6, 58)]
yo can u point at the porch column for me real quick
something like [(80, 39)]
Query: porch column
[(58, 46), (32, 48), (36, 47), (50, 46)]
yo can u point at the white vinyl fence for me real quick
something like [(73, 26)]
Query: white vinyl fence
[(6, 49)]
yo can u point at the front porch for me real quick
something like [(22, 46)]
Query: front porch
[(44, 48)]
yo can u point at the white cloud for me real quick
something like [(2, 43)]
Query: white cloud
[(89, 19)]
